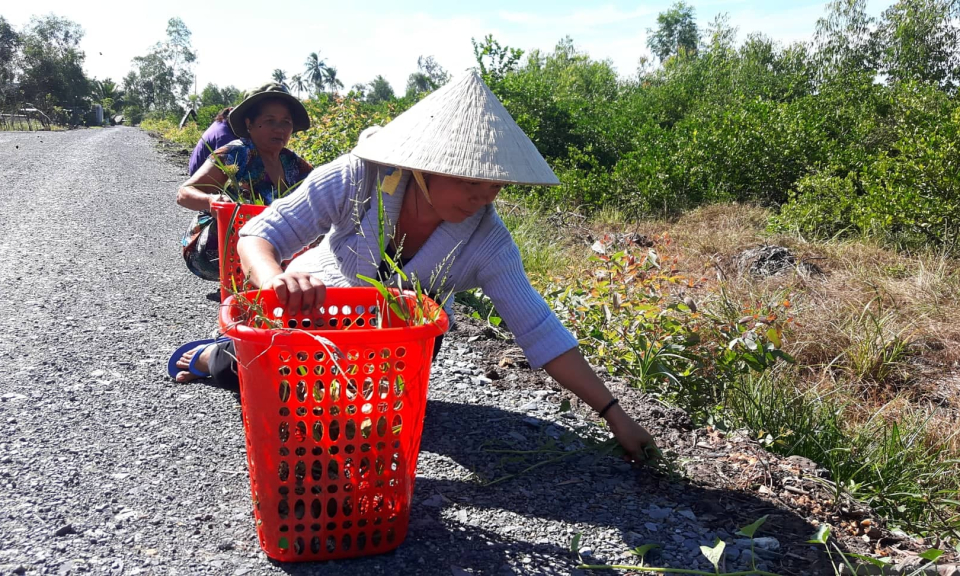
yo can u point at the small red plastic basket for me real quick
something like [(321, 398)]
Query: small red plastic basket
[(236, 215), (333, 408)]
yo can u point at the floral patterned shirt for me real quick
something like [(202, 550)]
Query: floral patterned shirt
[(242, 159)]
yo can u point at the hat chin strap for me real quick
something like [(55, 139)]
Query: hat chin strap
[(418, 176)]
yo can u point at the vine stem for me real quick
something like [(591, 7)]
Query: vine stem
[(539, 464), (673, 570)]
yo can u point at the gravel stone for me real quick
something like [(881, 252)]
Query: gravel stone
[(65, 530)]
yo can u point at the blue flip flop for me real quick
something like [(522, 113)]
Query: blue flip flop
[(173, 369)]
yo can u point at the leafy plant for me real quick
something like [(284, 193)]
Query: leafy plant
[(410, 307), (482, 308), (628, 320), (715, 555)]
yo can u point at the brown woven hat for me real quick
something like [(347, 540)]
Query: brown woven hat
[(301, 121)]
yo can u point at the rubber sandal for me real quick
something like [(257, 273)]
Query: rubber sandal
[(173, 369)]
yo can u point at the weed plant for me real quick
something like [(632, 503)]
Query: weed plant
[(187, 137), (839, 560)]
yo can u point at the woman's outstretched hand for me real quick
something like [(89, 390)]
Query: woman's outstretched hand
[(637, 442), (297, 290)]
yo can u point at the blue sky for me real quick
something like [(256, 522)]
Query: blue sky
[(243, 41)]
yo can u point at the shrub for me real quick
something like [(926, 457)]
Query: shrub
[(336, 123), (899, 182), (630, 319)]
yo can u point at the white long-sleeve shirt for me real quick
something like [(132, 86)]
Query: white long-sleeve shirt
[(338, 200)]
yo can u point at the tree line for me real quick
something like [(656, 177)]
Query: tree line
[(42, 66), (854, 132)]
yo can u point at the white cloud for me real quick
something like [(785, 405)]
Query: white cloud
[(517, 17)]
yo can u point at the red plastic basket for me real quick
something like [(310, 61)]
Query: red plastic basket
[(333, 409), (228, 213)]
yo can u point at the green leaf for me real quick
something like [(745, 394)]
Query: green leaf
[(821, 536), (774, 337), (751, 529), (394, 266), (932, 555), (565, 405), (575, 543), (878, 562), (784, 356), (715, 553), (642, 551), (378, 285)]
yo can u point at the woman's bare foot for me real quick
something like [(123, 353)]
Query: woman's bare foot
[(202, 364)]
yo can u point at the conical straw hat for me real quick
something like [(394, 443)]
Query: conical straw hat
[(459, 130)]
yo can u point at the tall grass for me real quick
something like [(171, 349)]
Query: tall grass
[(541, 245), (890, 461)]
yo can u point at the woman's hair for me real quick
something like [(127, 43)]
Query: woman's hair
[(222, 115), (255, 109)]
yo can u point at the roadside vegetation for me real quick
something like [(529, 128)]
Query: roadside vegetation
[(843, 151)]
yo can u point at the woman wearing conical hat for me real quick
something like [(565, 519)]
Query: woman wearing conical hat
[(438, 167)]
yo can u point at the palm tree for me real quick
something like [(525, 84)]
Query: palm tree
[(297, 83), (280, 76), (108, 94), (331, 80), (316, 71)]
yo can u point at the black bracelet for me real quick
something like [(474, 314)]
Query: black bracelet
[(608, 406)]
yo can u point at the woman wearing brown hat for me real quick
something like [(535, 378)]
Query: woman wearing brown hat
[(255, 168), (265, 169), (440, 165)]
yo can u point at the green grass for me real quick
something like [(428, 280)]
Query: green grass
[(541, 246), (886, 461), (188, 136)]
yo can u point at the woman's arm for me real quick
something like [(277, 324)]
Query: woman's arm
[(202, 188), (261, 262), (277, 233), (572, 371), (540, 334)]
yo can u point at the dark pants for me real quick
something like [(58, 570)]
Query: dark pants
[(223, 363)]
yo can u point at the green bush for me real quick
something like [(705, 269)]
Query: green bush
[(187, 137), (898, 181), (336, 123), (132, 115), (806, 129), (206, 115), (822, 206)]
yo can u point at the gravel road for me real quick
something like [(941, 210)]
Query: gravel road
[(108, 467)]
